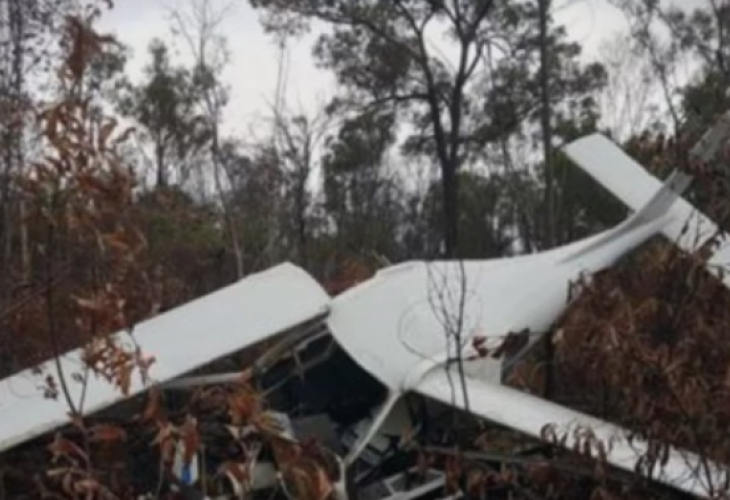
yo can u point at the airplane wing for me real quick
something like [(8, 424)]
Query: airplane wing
[(603, 160), (181, 340), (529, 414)]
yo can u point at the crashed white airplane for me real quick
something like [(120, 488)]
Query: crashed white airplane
[(400, 327)]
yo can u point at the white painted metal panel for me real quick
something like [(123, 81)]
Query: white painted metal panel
[(401, 323), (396, 322), (181, 340)]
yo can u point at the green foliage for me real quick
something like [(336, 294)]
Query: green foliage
[(184, 243), (513, 96), (488, 215), (360, 196), (167, 105), (382, 53)]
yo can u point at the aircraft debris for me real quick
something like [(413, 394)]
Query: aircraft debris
[(350, 379)]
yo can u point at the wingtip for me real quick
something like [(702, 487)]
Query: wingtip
[(591, 139)]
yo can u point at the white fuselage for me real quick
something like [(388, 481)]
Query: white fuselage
[(401, 324)]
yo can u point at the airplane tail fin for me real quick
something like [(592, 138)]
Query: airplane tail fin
[(616, 171), (659, 205), (634, 186)]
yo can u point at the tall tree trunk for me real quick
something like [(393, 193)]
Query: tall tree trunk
[(301, 217), (545, 112), (14, 231), (14, 251), (160, 171), (18, 34), (450, 185), (545, 121), (227, 213), (6, 230)]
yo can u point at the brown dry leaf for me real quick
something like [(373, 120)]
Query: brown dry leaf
[(62, 447), (166, 441), (124, 378), (165, 432), (143, 364), (236, 470), (323, 485), (87, 485), (90, 304), (190, 438), (285, 452), (453, 470), (116, 241), (299, 483), (266, 423), (242, 406), (107, 433), (153, 408)]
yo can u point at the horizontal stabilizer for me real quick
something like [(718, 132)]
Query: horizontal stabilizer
[(616, 171), (644, 223), (661, 203)]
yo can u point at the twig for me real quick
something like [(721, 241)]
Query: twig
[(51, 318)]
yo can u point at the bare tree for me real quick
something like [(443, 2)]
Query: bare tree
[(199, 28), (545, 119), (647, 25), (14, 26), (628, 105), (297, 140)]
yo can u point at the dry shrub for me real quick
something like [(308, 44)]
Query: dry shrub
[(82, 280), (87, 279), (645, 346)]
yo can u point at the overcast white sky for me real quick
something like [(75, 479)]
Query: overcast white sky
[(252, 73)]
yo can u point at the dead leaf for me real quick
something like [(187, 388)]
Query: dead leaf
[(107, 433), (190, 439), (62, 447)]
